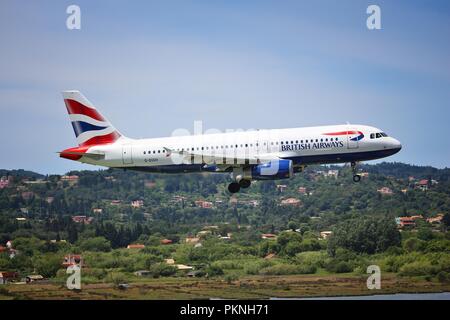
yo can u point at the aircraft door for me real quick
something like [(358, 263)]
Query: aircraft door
[(352, 139), (127, 156)]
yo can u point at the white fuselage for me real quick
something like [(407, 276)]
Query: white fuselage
[(324, 144)]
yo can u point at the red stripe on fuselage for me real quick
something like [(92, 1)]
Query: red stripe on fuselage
[(74, 107), (105, 139), (341, 133)]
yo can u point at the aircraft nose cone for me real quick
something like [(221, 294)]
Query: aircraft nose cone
[(396, 145)]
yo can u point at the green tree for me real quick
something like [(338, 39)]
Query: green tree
[(365, 235), (99, 244)]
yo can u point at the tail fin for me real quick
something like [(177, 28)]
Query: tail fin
[(91, 128)]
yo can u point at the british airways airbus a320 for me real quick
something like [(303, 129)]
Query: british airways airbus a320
[(253, 155)]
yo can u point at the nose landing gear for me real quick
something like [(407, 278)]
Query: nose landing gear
[(356, 176)]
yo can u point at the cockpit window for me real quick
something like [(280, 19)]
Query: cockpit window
[(378, 135)]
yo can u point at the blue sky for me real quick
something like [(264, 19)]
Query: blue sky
[(154, 66)]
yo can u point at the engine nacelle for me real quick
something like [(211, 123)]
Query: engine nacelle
[(273, 170)]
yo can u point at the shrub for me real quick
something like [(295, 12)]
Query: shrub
[(343, 267), (214, 271), (231, 277), (279, 269), (285, 269), (99, 244), (443, 276), (417, 268), (413, 244), (254, 267), (316, 258), (116, 277), (162, 270), (228, 264)]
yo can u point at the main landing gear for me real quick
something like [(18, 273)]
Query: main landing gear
[(236, 186), (356, 176)]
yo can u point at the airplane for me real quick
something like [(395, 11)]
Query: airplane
[(247, 156)]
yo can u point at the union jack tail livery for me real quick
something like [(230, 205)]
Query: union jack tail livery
[(90, 127)]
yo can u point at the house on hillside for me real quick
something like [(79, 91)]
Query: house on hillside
[(183, 267), (269, 236), (73, 259), (192, 240), (6, 277), (203, 204), (137, 204), (4, 182), (136, 246), (34, 278), (142, 273), (436, 220), (422, 184), (385, 191), (166, 241), (405, 222), (325, 234), (291, 202), (82, 219), (302, 190), (332, 174)]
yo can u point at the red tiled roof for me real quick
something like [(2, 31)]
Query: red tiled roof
[(136, 246)]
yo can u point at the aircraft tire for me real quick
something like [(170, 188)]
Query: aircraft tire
[(234, 187)]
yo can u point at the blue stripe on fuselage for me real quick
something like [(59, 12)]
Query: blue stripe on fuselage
[(314, 159), (344, 157)]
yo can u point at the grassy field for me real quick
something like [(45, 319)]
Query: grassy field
[(250, 287)]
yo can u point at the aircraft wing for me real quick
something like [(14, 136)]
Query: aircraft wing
[(223, 161)]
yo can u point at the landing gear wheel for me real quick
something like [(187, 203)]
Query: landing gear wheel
[(234, 187), (356, 176), (245, 183)]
